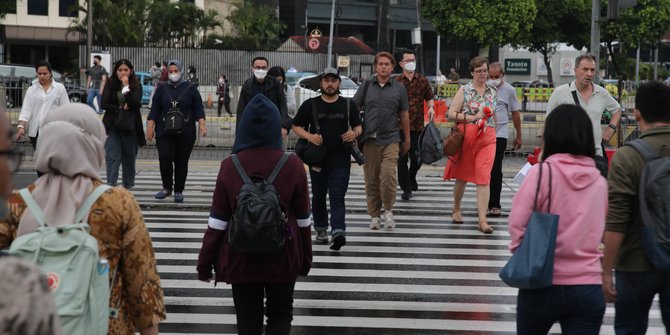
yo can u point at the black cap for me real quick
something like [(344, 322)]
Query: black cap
[(330, 71)]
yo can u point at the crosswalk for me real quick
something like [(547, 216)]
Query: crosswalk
[(429, 276)]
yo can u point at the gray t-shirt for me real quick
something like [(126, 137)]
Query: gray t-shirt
[(506, 103), (96, 73), (382, 105)]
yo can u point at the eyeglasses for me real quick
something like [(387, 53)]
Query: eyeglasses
[(480, 71), (13, 159)]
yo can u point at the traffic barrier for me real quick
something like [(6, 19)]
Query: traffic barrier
[(440, 111)]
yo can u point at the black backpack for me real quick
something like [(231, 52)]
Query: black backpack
[(653, 193), (430, 144), (259, 225), (174, 119)]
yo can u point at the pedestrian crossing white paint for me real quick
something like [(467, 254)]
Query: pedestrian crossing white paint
[(428, 276)]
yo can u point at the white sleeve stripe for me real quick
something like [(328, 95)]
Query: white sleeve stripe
[(302, 223), (217, 224)]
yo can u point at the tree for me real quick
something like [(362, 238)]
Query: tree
[(115, 22), (566, 21), (483, 21), (257, 27), (641, 25), (7, 7)]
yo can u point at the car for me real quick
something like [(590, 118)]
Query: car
[(147, 85), (307, 87), (292, 78), (14, 76)]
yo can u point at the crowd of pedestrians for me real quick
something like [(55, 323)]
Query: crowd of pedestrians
[(599, 232)]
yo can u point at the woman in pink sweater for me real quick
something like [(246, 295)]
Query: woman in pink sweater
[(579, 197)]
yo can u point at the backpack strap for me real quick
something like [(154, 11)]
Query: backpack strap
[(278, 168), (92, 198), (645, 149), (240, 169), (33, 206)]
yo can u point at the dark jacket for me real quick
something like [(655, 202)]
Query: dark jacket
[(273, 90), (110, 103), (259, 150), (190, 105)]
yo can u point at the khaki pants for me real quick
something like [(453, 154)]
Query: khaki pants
[(381, 177)]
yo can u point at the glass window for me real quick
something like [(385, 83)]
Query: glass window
[(25, 72), (67, 8), (5, 70), (38, 7)]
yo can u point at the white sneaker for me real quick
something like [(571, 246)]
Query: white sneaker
[(389, 223), (375, 224)]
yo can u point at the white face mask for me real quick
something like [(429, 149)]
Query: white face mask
[(174, 77), (494, 82), (260, 74), (220, 81), (410, 66)]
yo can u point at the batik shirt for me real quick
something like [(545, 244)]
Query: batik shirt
[(473, 102)]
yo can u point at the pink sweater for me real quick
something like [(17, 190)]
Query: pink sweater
[(579, 197)]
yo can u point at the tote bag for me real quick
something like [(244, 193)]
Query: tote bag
[(532, 264)]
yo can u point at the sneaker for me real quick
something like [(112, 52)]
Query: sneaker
[(179, 197), (338, 241), (389, 222), (415, 186), (321, 236), (376, 222), (406, 195), (162, 194)]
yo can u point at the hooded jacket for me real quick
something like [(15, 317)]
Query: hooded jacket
[(579, 197), (258, 147)]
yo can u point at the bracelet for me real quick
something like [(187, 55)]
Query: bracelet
[(612, 126)]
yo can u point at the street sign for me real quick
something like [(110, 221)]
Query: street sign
[(517, 66), (342, 61), (314, 43)]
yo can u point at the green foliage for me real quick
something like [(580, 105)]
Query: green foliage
[(7, 7), (482, 21), (642, 25), (257, 28)]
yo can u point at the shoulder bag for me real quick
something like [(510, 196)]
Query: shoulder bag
[(310, 153), (532, 264), (125, 119)]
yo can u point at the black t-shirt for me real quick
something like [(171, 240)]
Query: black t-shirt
[(333, 123)]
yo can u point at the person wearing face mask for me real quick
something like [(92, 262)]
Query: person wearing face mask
[(174, 150), (96, 77), (506, 103), (418, 91), (261, 83), (223, 91)]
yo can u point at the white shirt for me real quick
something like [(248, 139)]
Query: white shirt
[(37, 103), (599, 102)]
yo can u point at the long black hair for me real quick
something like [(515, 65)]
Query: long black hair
[(115, 82), (568, 130)]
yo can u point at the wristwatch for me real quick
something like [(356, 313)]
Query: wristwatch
[(612, 126)]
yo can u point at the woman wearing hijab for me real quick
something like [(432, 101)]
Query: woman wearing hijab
[(174, 150), (70, 153), (258, 146), (122, 100)]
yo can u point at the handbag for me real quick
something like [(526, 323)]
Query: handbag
[(453, 142), (310, 153), (125, 119), (532, 265)]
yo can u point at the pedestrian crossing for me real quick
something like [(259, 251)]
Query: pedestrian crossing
[(428, 276)]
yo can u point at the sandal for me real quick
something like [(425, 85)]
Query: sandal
[(495, 212), (456, 217), (485, 229)]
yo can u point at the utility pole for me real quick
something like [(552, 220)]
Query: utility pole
[(330, 41), (89, 31), (595, 35)]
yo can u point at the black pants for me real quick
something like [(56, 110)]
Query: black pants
[(496, 173), (248, 299), (224, 102), (174, 152), (33, 141), (407, 178)]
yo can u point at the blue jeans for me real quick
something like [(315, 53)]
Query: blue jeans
[(635, 292), (94, 93), (333, 181), (578, 308), (121, 149)]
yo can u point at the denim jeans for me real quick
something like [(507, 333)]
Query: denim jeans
[(248, 300), (94, 93), (333, 181), (121, 149), (407, 178), (635, 292), (578, 308), (496, 174)]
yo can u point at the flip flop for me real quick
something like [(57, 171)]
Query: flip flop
[(456, 217), (487, 230), (495, 212)]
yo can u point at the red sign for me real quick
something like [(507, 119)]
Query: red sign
[(314, 43)]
